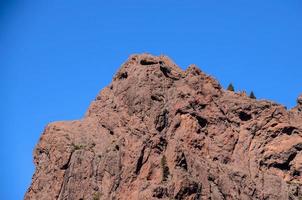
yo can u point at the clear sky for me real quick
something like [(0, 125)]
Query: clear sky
[(55, 56)]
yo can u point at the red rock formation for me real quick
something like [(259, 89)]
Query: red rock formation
[(157, 132)]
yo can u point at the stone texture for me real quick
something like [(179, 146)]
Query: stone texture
[(158, 132), (299, 100)]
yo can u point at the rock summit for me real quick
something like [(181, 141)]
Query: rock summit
[(158, 132)]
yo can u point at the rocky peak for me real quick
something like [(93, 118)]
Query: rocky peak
[(299, 100), (298, 108), (158, 132)]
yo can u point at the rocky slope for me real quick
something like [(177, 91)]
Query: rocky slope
[(157, 132)]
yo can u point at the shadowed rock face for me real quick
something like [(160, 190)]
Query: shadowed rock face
[(157, 132)]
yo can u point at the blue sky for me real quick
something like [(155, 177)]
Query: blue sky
[(55, 56)]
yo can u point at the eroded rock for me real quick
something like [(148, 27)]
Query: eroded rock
[(158, 132)]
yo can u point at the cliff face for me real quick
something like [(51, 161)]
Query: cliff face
[(157, 132)]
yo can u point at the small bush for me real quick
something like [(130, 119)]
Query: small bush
[(96, 196), (231, 87), (165, 168), (77, 146), (252, 95)]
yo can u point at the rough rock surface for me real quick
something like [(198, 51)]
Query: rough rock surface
[(158, 132)]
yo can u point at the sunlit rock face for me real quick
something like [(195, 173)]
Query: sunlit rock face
[(158, 132)]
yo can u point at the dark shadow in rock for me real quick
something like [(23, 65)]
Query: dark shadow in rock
[(181, 161), (288, 130), (201, 121), (285, 166), (244, 116), (161, 145), (148, 62), (188, 190), (167, 72), (161, 121), (139, 163), (160, 192)]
